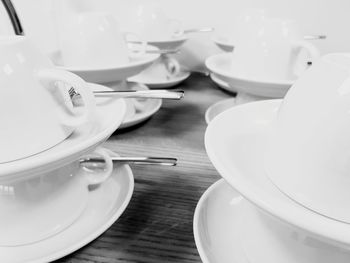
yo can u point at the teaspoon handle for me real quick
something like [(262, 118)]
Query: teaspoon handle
[(147, 94), (146, 160), (315, 37), (198, 30), (134, 160)]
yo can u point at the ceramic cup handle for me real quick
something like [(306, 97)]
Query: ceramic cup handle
[(172, 66), (49, 77), (140, 47), (299, 46), (95, 176)]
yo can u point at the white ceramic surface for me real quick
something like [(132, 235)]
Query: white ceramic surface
[(104, 206), (108, 117), (219, 107), (223, 105), (309, 154), (236, 144), (151, 23), (161, 82), (222, 19), (163, 69), (92, 39), (139, 110), (222, 84), (31, 101), (224, 43), (170, 44), (35, 209), (227, 229), (247, 22), (272, 50), (113, 73), (220, 65)]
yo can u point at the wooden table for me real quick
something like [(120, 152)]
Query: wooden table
[(157, 225)]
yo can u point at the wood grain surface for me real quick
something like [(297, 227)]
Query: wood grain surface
[(157, 225)]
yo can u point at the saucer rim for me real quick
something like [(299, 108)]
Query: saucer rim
[(211, 64), (93, 235), (301, 217), (98, 232), (221, 83), (211, 107), (148, 58), (143, 116), (139, 118), (167, 41), (223, 43), (197, 215), (164, 84)]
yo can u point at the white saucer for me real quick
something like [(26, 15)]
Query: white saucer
[(105, 205), (217, 225), (235, 142), (170, 44), (141, 109), (220, 65), (109, 74), (223, 105), (109, 116), (159, 84), (223, 43), (227, 228), (222, 84)]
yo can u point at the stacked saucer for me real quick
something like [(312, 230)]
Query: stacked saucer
[(269, 55), (58, 189), (290, 161), (93, 47), (43, 187), (150, 22)]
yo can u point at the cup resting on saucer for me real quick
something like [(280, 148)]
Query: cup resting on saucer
[(44, 205)]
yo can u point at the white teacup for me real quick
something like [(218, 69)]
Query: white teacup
[(152, 24), (94, 40), (44, 205), (35, 112), (309, 153), (272, 50), (248, 22)]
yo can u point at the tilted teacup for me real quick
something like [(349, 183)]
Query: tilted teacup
[(274, 51), (36, 112), (247, 22), (94, 40), (150, 23), (309, 152)]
